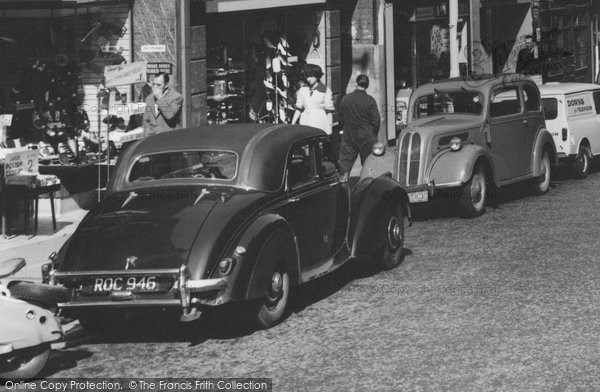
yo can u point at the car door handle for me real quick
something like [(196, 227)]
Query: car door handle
[(293, 199), (525, 123)]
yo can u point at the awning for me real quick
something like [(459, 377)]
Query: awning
[(217, 6)]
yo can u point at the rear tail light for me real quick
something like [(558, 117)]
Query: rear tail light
[(565, 131)]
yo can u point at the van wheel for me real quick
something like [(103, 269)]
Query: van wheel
[(542, 183), (473, 194), (580, 167)]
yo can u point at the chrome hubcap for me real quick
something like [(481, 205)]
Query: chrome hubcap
[(394, 233), (275, 290), (276, 282), (583, 161)]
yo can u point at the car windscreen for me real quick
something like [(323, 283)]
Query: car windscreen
[(550, 108), (447, 102), (217, 165)]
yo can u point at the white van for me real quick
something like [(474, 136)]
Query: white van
[(572, 112)]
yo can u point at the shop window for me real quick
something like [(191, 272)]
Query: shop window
[(255, 70), (504, 102), (531, 98)]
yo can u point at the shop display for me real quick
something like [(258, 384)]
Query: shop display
[(255, 71), (226, 95)]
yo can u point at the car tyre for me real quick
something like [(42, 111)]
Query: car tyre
[(473, 194), (580, 167), (272, 307), (391, 253), (542, 183), (24, 363), (44, 294)]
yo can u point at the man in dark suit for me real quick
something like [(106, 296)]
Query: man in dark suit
[(163, 107), (361, 120)]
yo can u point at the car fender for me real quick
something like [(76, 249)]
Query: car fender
[(375, 166), (543, 141), (456, 167), (267, 240), (371, 202)]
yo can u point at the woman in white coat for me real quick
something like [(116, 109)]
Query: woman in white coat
[(314, 105)]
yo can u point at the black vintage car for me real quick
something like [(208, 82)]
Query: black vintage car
[(202, 217)]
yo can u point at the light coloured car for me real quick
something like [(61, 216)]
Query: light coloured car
[(572, 112), (465, 135)]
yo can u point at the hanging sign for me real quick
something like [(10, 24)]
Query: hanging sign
[(156, 68), (154, 48), (124, 74), (21, 161)]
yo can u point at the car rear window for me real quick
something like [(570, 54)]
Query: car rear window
[(550, 108), (214, 165), (448, 102)]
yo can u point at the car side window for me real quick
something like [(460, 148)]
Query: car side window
[(505, 101), (327, 166), (301, 166), (596, 95), (531, 98)]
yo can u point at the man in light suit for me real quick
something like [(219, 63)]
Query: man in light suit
[(163, 107)]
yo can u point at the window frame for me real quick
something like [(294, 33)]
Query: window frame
[(312, 157), (501, 88)]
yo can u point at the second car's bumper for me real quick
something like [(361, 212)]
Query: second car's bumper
[(420, 193)]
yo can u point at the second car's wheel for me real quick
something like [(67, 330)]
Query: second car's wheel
[(580, 167), (542, 183), (24, 363), (272, 306), (473, 194)]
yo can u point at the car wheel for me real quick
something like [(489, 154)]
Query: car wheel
[(542, 183), (390, 255), (39, 293), (272, 306), (24, 363), (580, 167), (473, 194)]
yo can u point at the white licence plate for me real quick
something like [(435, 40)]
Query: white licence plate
[(418, 197)]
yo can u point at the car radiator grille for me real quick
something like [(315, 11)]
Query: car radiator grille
[(410, 159)]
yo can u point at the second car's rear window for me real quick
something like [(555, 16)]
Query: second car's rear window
[(550, 108), (215, 165)]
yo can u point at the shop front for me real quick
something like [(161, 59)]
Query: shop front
[(52, 94), (255, 69), (423, 54), (564, 32)]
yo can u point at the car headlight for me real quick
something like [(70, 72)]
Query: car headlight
[(378, 148), (455, 144)]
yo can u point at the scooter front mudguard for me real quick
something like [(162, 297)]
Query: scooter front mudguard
[(25, 325)]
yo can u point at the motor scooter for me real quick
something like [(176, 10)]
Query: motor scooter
[(28, 323)]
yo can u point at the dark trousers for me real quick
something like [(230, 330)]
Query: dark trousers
[(349, 151)]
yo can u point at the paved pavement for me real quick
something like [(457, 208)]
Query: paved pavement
[(36, 249)]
